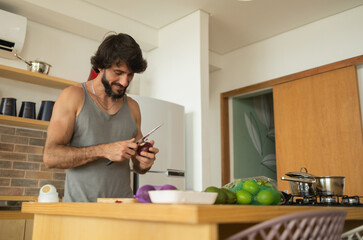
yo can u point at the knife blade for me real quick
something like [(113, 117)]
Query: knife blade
[(141, 140), (149, 133)]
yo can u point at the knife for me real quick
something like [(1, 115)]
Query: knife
[(141, 140)]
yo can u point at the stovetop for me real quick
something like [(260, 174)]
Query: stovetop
[(316, 200)]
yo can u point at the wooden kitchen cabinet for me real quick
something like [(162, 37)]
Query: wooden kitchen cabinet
[(318, 123), (34, 78), (16, 229), (318, 126)]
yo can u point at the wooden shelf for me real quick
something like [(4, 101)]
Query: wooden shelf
[(23, 122), (33, 77)]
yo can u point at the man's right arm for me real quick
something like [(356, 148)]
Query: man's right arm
[(57, 153)]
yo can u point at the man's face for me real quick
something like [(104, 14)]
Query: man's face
[(117, 80)]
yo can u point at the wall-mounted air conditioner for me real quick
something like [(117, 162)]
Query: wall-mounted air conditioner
[(12, 33)]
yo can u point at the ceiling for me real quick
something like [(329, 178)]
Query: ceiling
[(232, 24)]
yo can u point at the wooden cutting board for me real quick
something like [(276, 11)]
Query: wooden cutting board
[(117, 200)]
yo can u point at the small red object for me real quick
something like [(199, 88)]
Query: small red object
[(118, 201), (92, 74)]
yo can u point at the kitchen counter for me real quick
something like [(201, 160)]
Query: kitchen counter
[(156, 221), (16, 214)]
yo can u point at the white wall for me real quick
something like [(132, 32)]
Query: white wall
[(178, 72), (329, 40)]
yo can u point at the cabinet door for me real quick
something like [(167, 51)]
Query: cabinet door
[(318, 126), (12, 229)]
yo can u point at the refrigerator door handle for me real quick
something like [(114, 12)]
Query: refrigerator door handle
[(175, 173), (169, 172)]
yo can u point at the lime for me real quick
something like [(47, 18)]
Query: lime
[(211, 189), (231, 196), (243, 197), (265, 197), (251, 187)]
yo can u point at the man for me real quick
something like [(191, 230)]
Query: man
[(95, 122)]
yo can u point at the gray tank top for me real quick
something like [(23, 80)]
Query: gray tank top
[(96, 180)]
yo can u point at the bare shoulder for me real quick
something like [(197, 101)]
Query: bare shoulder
[(72, 97), (132, 103), (134, 109)]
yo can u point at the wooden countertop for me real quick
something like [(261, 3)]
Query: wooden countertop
[(17, 214), (177, 213)]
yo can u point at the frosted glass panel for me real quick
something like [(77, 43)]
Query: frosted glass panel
[(253, 137)]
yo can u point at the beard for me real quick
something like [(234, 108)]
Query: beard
[(108, 88)]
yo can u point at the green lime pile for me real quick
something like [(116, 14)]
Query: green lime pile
[(250, 192), (224, 196)]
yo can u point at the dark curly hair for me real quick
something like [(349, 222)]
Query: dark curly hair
[(117, 49)]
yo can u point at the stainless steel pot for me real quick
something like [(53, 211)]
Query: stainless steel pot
[(330, 185), (304, 184), (301, 187), (36, 66), (301, 183)]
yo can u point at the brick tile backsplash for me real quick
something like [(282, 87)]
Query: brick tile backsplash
[(7, 130), (13, 156), (14, 139), (12, 173), (5, 164), (36, 142), (26, 166), (28, 133), (11, 191), (22, 172), (28, 149), (39, 175), (4, 182), (16, 182), (35, 158), (6, 147)]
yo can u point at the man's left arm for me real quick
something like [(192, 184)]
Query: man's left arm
[(143, 162)]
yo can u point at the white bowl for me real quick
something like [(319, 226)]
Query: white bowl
[(182, 197)]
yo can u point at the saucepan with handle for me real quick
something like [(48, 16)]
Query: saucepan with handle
[(36, 66), (305, 184), (301, 183), (330, 185)]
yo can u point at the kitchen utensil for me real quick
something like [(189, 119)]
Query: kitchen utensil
[(330, 185), (141, 140), (301, 187), (48, 193), (301, 183), (8, 106), (36, 66), (45, 111), (27, 110), (145, 137)]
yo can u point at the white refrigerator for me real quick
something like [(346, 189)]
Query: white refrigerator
[(169, 167)]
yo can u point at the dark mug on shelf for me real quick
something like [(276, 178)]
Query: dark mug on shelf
[(27, 110), (8, 106), (45, 111)]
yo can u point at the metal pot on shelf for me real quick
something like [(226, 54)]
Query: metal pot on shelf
[(36, 66), (330, 185), (305, 184), (301, 183)]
